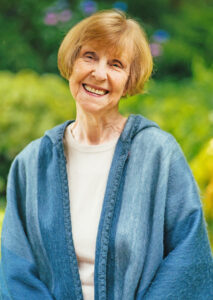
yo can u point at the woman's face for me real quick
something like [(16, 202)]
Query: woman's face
[(99, 78)]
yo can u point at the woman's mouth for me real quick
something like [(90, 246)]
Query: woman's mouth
[(94, 91)]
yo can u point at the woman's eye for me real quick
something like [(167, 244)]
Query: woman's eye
[(117, 65), (89, 55)]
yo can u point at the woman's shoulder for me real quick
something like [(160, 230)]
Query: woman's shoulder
[(46, 142), (153, 138), (29, 150), (24, 159), (149, 131), (142, 128)]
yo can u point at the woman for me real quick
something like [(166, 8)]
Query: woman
[(105, 206)]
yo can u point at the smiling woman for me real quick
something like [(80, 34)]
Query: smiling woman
[(98, 81), (102, 65), (110, 31), (104, 206)]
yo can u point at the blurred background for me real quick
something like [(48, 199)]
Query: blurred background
[(179, 97)]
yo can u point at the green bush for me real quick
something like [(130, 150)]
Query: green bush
[(190, 29), (30, 104), (183, 108), (36, 42)]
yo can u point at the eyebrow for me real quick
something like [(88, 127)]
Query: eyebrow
[(91, 52)]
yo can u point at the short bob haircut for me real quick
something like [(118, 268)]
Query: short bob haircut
[(110, 29)]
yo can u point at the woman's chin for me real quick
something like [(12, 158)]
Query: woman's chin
[(91, 107), (92, 104)]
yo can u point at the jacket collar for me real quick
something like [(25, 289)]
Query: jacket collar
[(111, 202), (134, 124)]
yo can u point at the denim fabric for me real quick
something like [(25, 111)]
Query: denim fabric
[(152, 242)]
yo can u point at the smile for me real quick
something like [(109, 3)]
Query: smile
[(95, 91)]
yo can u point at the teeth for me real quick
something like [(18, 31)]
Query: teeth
[(92, 90)]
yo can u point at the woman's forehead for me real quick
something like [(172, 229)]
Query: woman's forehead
[(118, 52)]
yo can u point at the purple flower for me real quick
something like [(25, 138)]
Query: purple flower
[(51, 19), (156, 49), (88, 6), (120, 5), (160, 36), (65, 15)]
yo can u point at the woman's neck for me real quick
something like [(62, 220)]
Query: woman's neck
[(97, 129)]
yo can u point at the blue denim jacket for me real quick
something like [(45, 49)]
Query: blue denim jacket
[(152, 241)]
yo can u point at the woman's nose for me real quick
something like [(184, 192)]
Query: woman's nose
[(100, 71)]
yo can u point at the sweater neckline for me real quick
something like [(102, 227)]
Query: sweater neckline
[(71, 142)]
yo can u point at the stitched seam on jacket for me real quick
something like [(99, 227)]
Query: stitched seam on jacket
[(67, 224), (106, 226)]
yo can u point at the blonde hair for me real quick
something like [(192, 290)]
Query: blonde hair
[(113, 30)]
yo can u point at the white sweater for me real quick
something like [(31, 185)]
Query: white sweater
[(87, 168)]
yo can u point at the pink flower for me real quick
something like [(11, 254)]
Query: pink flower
[(65, 15), (156, 49), (51, 19)]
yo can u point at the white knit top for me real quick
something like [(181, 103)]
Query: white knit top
[(87, 168)]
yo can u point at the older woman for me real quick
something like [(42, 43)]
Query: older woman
[(104, 207)]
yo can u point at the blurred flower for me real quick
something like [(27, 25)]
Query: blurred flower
[(58, 11), (160, 36), (120, 5), (51, 19), (88, 6), (156, 49), (65, 15)]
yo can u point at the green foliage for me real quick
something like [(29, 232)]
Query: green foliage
[(30, 104), (184, 108), (28, 42), (21, 44), (191, 31)]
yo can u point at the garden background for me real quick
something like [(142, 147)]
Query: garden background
[(179, 97)]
